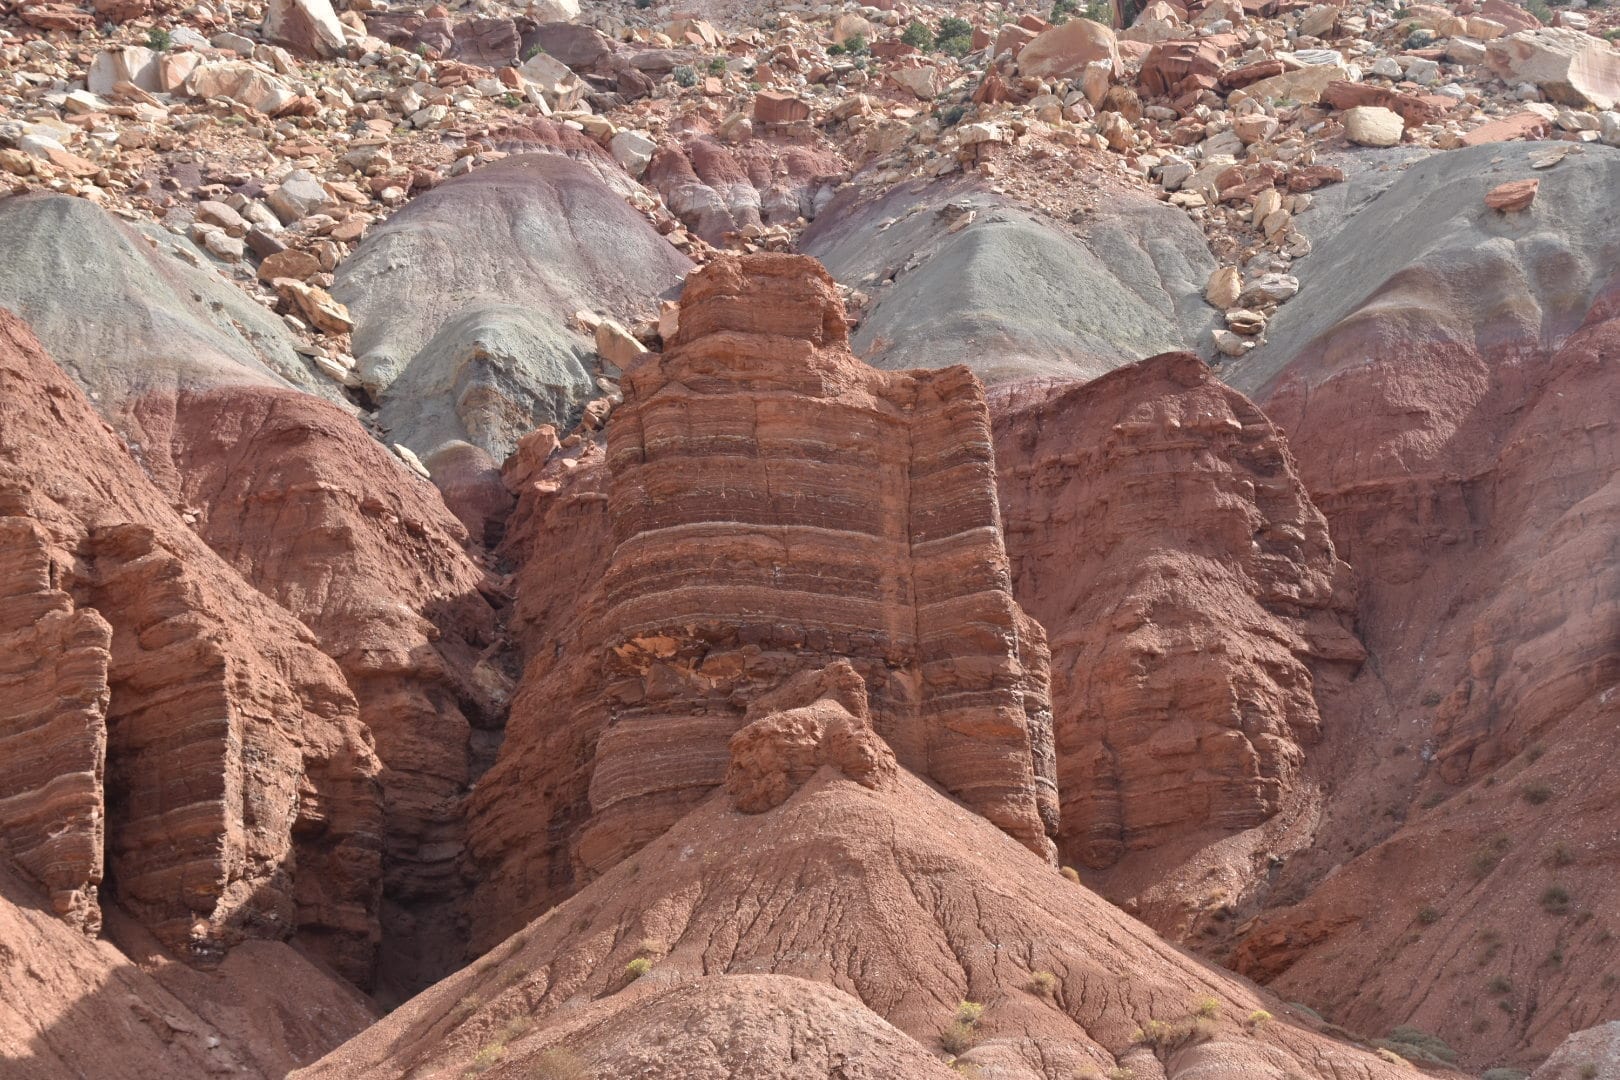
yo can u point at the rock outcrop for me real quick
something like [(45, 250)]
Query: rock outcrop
[(318, 516), (777, 506), (1444, 392), (1158, 530), (718, 190), (240, 794), (460, 300)]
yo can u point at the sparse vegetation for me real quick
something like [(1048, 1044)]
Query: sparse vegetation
[(489, 1057), (1588, 1071), (1561, 855), (1042, 984), (159, 39), (1536, 792), (1499, 984), (1166, 1037), (1100, 11), (685, 75), (1418, 1046), (638, 967), (1555, 900), (1486, 858), (918, 36), (961, 1033), (1428, 916), (1541, 10), (1209, 1007), (1259, 1018), (954, 36), (856, 45), (1062, 9), (560, 1064), (717, 65), (1072, 874)]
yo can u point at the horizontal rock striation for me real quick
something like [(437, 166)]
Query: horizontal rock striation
[(1157, 528), (240, 786), (777, 505), (53, 726)]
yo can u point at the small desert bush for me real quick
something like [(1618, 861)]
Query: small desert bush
[(968, 1012), (1429, 916), (1561, 855), (918, 36), (1555, 900), (638, 967), (1166, 1037), (1209, 1007), (560, 1064), (685, 75), (489, 1057), (1072, 874), (158, 39), (1418, 1046), (1259, 1018), (957, 1038), (1500, 985), (1042, 984), (1536, 792)]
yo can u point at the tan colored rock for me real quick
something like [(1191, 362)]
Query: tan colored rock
[(1223, 287), (1568, 66), (291, 263), (615, 345), (304, 27), (1064, 51), (316, 305), (1303, 86), (1373, 125)]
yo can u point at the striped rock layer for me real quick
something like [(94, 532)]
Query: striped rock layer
[(169, 734), (776, 506)]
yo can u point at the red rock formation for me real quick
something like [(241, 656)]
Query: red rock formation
[(717, 189), (777, 506), (1158, 530), (849, 910), (1479, 516), (317, 515), (240, 787), (53, 680)]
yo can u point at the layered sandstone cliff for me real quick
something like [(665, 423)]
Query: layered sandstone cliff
[(1195, 607), (776, 506), (239, 797)]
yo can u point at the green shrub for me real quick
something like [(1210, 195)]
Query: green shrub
[(1100, 11), (1166, 1037), (1062, 9), (1209, 1007), (717, 65), (1259, 1018), (1540, 10), (1555, 900), (638, 967), (960, 45), (855, 45), (158, 39), (685, 76), (1418, 1046), (1042, 984), (968, 1012), (918, 36), (1429, 916)]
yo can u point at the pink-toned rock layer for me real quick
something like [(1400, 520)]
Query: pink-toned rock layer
[(1158, 530), (240, 796), (777, 506)]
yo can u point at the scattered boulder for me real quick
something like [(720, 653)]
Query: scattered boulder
[(305, 27), (1513, 195), (1567, 65), (1064, 51), (1373, 125)]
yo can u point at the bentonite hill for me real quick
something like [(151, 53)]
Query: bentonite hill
[(635, 539)]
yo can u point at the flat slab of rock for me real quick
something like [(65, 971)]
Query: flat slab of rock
[(1513, 195)]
